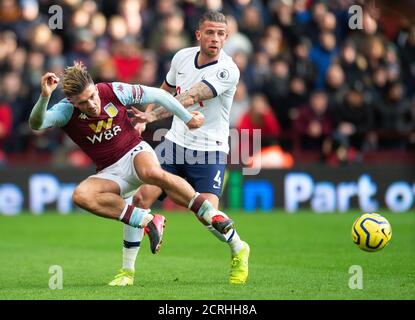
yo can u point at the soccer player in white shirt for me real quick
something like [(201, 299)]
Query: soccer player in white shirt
[(204, 79)]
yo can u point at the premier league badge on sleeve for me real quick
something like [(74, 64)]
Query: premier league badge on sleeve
[(111, 110), (222, 74)]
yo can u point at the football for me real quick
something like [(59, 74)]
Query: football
[(371, 232)]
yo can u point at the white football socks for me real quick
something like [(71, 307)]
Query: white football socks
[(132, 241), (231, 237), (128, 257)]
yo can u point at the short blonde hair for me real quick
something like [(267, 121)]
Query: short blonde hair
[(75, 79)]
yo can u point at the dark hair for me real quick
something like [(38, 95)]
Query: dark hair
[(214, 16)]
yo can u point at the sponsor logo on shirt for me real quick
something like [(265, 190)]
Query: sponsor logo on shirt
[(97, 128), (103, 131)]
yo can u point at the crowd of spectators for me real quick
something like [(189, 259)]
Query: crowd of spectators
[(307, 79)]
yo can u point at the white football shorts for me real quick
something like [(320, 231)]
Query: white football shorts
[(123, 172)]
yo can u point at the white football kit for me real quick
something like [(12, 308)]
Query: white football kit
[(221, 76)]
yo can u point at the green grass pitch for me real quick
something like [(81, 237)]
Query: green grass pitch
[(293, 256)]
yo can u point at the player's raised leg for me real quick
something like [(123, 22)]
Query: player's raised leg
[(179, 190), (146, 195), (101, 197)]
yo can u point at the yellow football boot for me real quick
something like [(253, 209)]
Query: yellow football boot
[(125, 277), (239, 266)]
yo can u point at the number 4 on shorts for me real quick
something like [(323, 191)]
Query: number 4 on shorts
[(218, 180)]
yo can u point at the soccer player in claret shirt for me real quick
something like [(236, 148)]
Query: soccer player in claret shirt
[(95, 117), (204, 79)]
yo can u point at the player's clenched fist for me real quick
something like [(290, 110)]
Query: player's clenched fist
[(197, 120), (48, 83)]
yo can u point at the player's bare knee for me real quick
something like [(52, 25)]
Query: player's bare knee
[(81, 197)]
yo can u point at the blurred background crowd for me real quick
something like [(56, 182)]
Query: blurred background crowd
[(318, 89)]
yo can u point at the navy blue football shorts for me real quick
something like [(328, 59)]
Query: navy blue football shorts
[(204, 170)]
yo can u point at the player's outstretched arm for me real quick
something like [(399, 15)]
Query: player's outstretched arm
[(150, 107), (58, 115), (142, 118), (48, 83), (198, 92), (163, 98)]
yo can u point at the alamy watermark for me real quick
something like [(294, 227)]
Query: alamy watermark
[(56, 18), (243, 145), (357, 14), (356, 18), (356, 279), (56, 280)]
